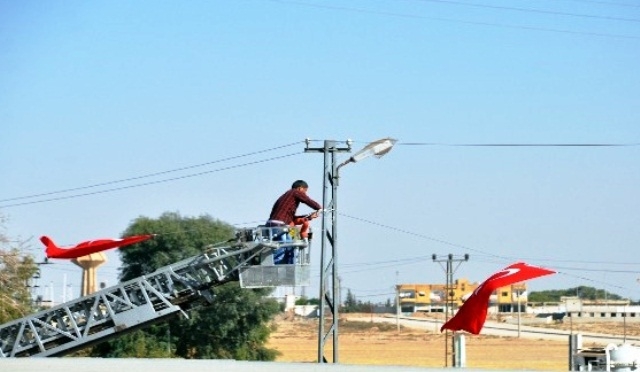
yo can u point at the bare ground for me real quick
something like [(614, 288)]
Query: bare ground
[(365, 342)]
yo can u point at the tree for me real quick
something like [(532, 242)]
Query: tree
[(139, 344), (234, 326), (582, 292), (178, 238), (350, 303), (16, 269), (307, 301)]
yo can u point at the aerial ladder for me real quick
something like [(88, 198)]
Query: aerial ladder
[(256, 257)]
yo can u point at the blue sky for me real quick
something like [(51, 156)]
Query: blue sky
[(104, 91)]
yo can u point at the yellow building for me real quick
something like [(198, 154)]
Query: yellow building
[(432, 297)]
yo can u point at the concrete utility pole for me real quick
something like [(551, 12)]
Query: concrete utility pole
[(330, 293), (397, 304), (518, 294), (449, 260), (329, 298)]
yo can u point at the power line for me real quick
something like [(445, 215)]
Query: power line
[(80, 188), (375, 295), (513, 144), (385, 266), (569, 268), (563, 270), (146, 175), (149, 183), (486, 254), (519, 144), (401, 260), (451, 20), (422, 236), (595, 281), (530, 10), (607, 3)]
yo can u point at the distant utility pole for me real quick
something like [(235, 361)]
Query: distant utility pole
[(449, 297), (397, 303)]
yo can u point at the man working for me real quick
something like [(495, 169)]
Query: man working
[(284, 209)]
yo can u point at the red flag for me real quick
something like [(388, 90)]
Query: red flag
[(88, 247), (473, 313)]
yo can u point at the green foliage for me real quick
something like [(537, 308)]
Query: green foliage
[(314, 301), (16, 269), (388, 303), (178, 238), (583, 292), (353, 305), (138, 344), (362, 326), (234, 326), (307, 301), (350, 303)]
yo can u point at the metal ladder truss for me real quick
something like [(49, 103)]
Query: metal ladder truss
[(152, 298)]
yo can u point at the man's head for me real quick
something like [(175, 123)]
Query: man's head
[(300, 184)]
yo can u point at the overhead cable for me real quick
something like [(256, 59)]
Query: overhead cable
[(564, 270), (148, 183), (452, 20), (146, 175), (531, 10), (519, 144)]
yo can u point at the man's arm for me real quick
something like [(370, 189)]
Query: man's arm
[(304, 198)]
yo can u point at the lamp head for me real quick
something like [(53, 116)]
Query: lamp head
[(376, 148)]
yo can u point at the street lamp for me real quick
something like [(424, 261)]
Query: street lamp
[(331, 299), (377, 148)]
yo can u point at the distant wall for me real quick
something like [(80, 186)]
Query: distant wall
[(592, 312), (307, 311)]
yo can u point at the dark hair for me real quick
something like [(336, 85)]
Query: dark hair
[(299, 183)]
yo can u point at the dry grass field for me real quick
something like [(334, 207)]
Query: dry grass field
[(364, 342)]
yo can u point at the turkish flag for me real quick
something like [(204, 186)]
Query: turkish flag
[(473, 313)]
